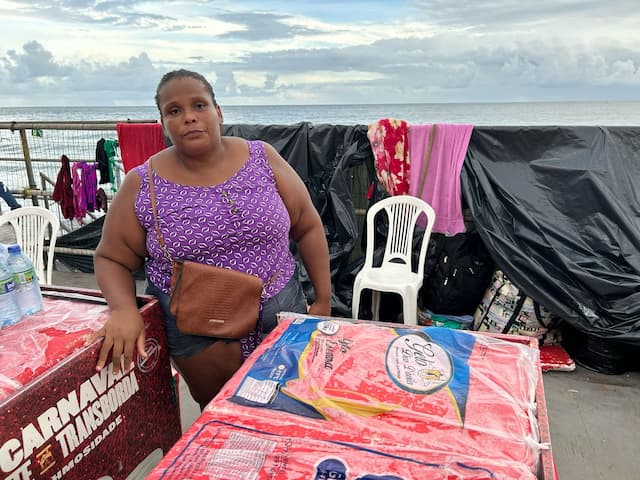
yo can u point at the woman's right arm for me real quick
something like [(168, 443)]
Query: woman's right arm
[(121, 251)]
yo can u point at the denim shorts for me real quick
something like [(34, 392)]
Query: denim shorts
[(291, 299)]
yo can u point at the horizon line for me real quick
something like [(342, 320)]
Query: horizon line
[(223, 105)]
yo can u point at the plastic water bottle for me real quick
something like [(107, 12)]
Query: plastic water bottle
[(27, 286), (3, 254), (9, 308)]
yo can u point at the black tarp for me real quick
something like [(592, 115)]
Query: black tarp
[(323, 155), (83, 238), (557, 207), (559, 210)]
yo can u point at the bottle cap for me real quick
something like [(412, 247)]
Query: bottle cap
[(15, 248)]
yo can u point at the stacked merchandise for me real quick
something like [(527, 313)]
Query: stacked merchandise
[(329, 398)]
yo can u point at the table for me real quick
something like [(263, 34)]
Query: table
[(62, 419)]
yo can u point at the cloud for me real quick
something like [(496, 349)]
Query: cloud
[(262, 26), (276, 52), (34, 72), (114, 13), (516, 13), (34, 63), (441, 62)]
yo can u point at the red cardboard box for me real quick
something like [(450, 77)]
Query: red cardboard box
[(62, 419)]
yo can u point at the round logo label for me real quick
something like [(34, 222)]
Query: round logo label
[(152, 347), (417, 364), (328, 327)]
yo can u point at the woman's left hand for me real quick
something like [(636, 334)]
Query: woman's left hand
[(320, 308)]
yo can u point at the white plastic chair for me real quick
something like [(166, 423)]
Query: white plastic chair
[(30, 227), (396, 273)]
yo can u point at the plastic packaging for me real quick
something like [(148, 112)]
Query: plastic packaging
[(27, 286), (42, 340), (329, 398), (9, 309)]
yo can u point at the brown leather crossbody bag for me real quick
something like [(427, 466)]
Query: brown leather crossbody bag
[(208, 300)]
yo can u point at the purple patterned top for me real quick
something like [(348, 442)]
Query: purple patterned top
[(241, 223)]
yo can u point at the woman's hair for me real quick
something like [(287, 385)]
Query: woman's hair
[(182, 73)]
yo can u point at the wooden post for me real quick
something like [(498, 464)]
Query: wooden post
[(27, 162), (43, 181)]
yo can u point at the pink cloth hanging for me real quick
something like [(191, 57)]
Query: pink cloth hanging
[(441, 189), (79, 197), (138, 141)]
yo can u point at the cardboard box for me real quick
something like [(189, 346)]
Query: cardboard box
[(65, 420)]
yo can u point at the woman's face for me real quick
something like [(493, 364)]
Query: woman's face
[(189, 116)]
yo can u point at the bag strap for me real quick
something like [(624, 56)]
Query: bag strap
[(427, 159), (516, 312), (154, 209), (553, 320)]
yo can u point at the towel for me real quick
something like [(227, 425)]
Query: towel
[(79, 197), (63, 189), (138, 141), (388, 138), (441, 189)]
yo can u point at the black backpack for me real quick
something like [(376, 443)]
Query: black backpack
[(459, 269)]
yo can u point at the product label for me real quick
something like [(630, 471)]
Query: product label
[(7, 285), (418, 364), (243, 454), (258, 391), (23, 278)]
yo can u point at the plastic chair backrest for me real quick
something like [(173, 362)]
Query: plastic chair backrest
[(403, 212), (30, 227)]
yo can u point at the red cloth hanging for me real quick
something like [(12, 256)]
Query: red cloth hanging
[(63, 190), (138, 141), (390, 145)]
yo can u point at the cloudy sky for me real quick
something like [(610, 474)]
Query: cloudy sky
[(113, 52)]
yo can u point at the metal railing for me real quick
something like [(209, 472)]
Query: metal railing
[(30, 155), (31, 151)]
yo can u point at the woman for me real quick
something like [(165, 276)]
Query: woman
[(221, 201)]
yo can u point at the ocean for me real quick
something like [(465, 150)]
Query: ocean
[(80, 145), (46, 151), (485, 114)]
